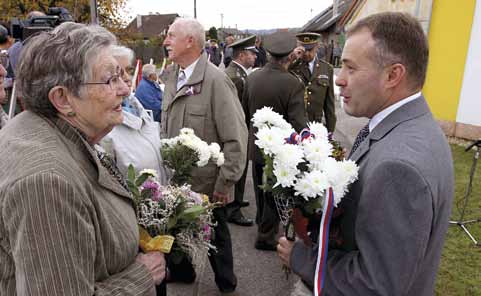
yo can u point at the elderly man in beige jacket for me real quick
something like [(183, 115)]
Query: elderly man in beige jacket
[(200, 96)]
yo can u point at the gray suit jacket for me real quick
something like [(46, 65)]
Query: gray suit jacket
[(67, 227), (394, 219)]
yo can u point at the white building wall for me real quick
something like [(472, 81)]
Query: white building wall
[(469, 109)]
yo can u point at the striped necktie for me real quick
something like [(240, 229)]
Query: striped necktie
[(181, 79)]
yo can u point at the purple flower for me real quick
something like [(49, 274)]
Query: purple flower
[(148, 184), (195, 197), (153, 188), (206, 231)]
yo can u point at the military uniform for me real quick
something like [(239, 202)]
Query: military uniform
[(238, 75), (318, 85), (318, 91), (272, 86)]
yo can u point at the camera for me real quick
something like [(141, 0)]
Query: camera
[(22, 29)]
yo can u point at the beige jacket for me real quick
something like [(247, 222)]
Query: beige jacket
[(66, 226), (208, 104)]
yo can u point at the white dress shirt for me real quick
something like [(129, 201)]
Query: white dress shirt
[(376, 119)]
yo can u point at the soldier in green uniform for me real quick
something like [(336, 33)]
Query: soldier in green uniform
[(272, 86), (317, 77), (243, 57)]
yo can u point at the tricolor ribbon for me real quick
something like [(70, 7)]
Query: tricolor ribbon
[(323, 242)]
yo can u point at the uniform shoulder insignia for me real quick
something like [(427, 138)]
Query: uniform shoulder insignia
[(297, 76), (326, 63)]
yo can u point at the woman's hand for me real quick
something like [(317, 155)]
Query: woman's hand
[(155, 263)]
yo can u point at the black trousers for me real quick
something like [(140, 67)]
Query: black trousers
[(221, 260), (233, 209), (161, 290), (267, 218)]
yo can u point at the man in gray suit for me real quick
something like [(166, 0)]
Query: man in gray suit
[(390, 228)]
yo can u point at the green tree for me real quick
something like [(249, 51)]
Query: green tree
[(110, 12), (213, 33)]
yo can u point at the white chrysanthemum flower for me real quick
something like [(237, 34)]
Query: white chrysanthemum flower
[(312, 184), (319, 130), (187, 131), (220, 159), (339, 192), (304, 189), (351, 169), (340, 173), (187, 140), (285, 175), (204, 153), (214, 150), (267, 117), (316, 151), (149, 172), (169, 142), (289, 155), (271, 139)]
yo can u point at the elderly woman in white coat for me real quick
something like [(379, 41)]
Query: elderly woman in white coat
[(137, 140)]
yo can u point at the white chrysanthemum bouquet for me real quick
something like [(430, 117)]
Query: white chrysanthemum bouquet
[(301, 165), (186, 151)]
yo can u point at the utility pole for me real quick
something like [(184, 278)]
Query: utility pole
[(93, 12), (222, 20), (195, 8)]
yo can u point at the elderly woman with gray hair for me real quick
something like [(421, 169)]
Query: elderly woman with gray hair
[(68, 224), (137, 140)]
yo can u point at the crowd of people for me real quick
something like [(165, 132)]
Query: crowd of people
[(68, 224)]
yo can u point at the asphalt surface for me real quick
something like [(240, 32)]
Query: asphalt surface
[(259, 273)]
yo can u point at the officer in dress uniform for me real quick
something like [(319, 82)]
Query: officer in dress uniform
[(243, 58), (317, 77)]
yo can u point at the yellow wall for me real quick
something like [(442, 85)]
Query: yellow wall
[(449, 33)]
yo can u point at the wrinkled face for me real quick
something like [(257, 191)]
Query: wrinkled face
[(310, 54), (177, 42), (249, 58), (3, 96), (99, 107), (361, 78), (126, 70)]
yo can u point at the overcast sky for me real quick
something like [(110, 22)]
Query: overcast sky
[(245, 14)]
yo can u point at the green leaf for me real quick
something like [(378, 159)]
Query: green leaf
[(141, 179), (131, 173)]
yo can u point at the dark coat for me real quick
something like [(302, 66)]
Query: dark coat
[(394, 219), (277, 88), (318, 92)]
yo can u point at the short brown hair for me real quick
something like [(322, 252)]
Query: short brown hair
[(400, 39)]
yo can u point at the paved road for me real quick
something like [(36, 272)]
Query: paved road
[(259, 272)]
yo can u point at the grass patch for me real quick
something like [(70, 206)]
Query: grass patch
[(460, 269)]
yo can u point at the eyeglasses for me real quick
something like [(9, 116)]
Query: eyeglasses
[(4, 60), (114, 82)]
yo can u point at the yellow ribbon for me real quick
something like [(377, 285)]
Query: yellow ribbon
[(162, 243)]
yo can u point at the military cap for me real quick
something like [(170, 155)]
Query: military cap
[(3, 34), (280, 44), (248, 43), (308, 40)]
